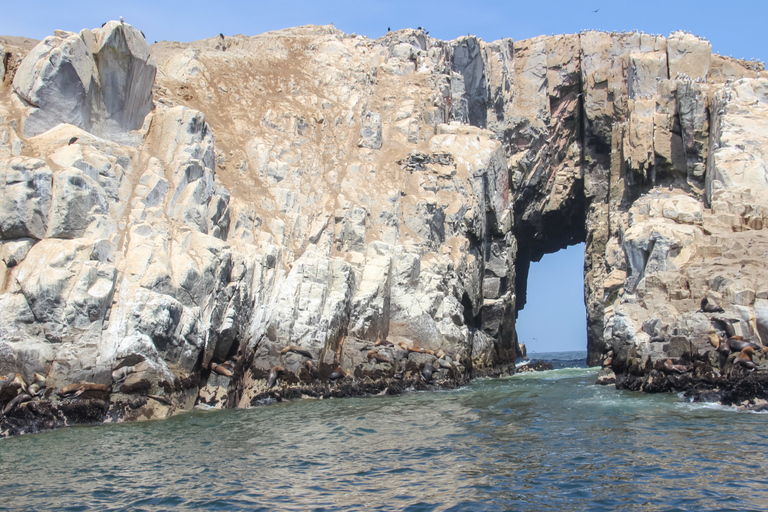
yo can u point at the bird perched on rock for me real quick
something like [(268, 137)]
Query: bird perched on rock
[(710, 306), (72, 141)]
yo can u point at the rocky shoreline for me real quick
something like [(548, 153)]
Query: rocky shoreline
[(191, 223), (707, 378), (82, 404)]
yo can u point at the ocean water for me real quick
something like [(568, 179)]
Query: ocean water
[(537, 441)]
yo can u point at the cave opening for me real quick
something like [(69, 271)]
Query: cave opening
[(552, 317)]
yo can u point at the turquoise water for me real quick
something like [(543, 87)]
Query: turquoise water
[(538, 441)]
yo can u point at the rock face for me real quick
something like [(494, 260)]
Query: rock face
[(99, 80), (333, 215)]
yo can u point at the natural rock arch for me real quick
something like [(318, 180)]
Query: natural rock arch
[(312, 192)]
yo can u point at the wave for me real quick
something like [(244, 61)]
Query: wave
[(558, 373)]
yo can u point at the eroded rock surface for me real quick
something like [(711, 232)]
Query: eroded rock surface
[(309, 213)]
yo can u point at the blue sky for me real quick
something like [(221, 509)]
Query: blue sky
[(554, 313), (554, 318), (735, 27)]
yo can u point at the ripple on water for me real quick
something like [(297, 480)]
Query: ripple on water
[(547, 441)]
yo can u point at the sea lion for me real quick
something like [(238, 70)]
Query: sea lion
[(337, 354), (298, 350), (714, 339), (417, 350), (723, 347), (708, 306), (224, 369), (19, 399), (274, 375), (745, 358), (34, 389), (311, 368), (378, 357), (383, 343), (78, 388), (442, 363), (727, 325), (18, 380), (122, 372), (39, 379), (670, 367), (738, 343), (426, 372), (160, 399), (337, 374)]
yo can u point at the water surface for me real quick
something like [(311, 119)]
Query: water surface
[(538, 441)]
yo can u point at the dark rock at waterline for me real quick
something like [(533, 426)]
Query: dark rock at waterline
[(703, 395), (753, 386), (38, 416)]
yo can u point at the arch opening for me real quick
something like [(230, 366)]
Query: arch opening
[(554, 318)]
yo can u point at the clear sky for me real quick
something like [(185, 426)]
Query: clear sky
[(735, 27), (554, 313), (554, 318)]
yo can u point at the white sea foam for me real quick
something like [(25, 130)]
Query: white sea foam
[(557, 374)]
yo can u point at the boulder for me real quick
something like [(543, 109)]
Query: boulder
[(99, 80)]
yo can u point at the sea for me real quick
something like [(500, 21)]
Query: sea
[(551, 440)]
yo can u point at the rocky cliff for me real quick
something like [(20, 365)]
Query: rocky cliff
[(308, 212)]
